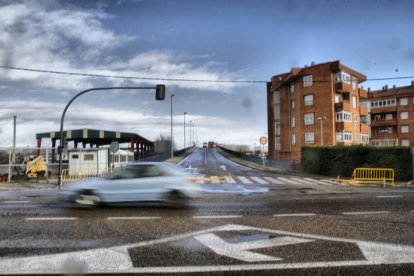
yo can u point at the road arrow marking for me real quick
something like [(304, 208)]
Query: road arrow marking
[(240, 251)]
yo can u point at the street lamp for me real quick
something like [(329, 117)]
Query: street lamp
[(184, 127), (159, 95), (321, 119), (190, 131), (172, 138)]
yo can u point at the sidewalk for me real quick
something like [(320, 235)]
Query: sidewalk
[(19, 186)]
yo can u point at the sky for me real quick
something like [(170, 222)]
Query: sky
[(215, 56)]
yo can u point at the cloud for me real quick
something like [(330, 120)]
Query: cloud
[(37, 117), (54, 37)]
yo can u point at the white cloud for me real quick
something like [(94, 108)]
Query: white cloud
[(58, 38), (36, 117)]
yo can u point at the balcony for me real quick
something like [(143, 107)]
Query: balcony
[(384, 109), (344, 105), (363, 110), (343, 87), (384, 142), (384, 123)]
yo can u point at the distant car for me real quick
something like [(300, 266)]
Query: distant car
[(136, 182)]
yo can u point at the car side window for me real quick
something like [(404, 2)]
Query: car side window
[(152, 171)]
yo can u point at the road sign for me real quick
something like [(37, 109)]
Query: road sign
[(263, 140), (223, 248)]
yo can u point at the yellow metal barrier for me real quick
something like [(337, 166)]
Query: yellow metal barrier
[(68, 176), (371, 176)]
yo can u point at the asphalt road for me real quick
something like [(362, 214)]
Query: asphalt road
[(253, 223)]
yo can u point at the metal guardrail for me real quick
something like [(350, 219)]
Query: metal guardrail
[(370, 176)]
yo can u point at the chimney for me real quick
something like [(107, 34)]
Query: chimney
[(385, 88), (313, 63), (394, 86), (412, 83), (369, 89), (306, 66)]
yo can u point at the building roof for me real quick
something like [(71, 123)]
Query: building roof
[(392, 92), (294, 73), (94, 136)]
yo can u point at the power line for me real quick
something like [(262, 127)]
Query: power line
[(126, 77), (169, 79)]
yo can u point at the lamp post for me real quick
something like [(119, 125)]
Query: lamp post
[(321, 119), (184, 127), (159, 95), (190, 131), (172, 138)]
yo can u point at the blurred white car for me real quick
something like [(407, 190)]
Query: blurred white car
[(135, 182)]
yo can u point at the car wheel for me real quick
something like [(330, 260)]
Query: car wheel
[(176, 199), (87, 199)]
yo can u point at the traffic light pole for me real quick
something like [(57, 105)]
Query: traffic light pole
[(159, 95)]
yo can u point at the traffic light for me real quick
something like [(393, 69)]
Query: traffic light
[(160, 92)]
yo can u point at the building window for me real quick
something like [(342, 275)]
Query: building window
[(307, 81), (309, 137), (277, 128), (293, 121), (364, 138), (88, 157), (293, 139), (389, 117), (355, 120), (308, 100), (405, 129), (75, 156), (309, 119), (403, 101), (343, 116), (292, 104), (383, 103), (405, 142), (354, 102), (354, 83), (404, 115), (292, 87), (356, 136), (277, 143), (344, 136)]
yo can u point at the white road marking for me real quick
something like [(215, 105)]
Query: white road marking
[(132, 218), (274, 180), (51, 218), (320, 182), (366, 213), (288, 181), (259, 180), (217, 217), (244, 180), (306, 182), (240, 251), (117, 259), (230, 180), (16, 202), (389, 196), (295, 215)]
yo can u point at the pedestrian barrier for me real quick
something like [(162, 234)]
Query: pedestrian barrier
[(70, 176), (370, 176)]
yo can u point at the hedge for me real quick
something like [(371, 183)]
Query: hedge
[(342, 160)]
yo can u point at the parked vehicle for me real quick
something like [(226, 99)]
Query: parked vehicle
[(136, 182)]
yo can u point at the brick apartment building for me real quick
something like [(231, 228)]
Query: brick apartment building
[(316, 105), (392, 116)]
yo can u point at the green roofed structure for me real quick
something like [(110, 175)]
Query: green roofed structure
[(97, 138)]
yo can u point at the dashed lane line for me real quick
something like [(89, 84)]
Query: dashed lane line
[(217, 217), (16, 202), (365, 213), (295, 215), (389, 196), (132, 218), (51, 218)]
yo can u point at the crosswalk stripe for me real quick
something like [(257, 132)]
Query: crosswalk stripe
[(303, 181), (322, 182), (288, 181), (259, 180), (214, 180), (230, 180), (244, 180), (274, 180)]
